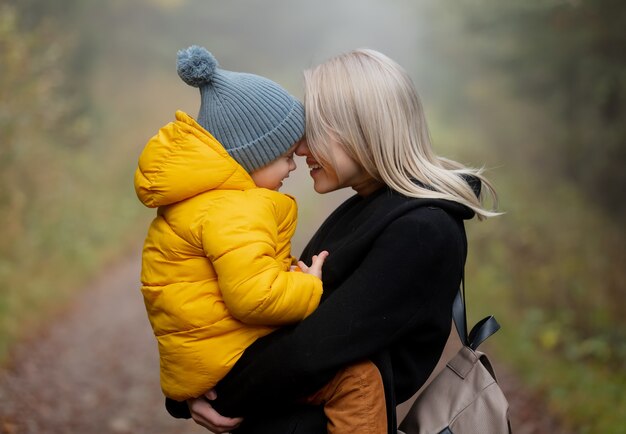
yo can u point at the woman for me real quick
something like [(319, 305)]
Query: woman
[(397, 251)]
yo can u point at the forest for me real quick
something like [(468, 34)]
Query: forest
[(534, 91)]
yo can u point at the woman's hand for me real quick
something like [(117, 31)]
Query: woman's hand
[(205, 415), (316, 264)]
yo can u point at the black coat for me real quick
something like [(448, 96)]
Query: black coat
[(394, 268)]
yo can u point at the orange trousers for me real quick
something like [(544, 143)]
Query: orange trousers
[(354, 401)]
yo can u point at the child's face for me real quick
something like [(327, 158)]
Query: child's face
[(272, 175)]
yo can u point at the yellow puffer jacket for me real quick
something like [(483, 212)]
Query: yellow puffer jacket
[(215, 273)]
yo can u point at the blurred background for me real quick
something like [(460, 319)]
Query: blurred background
[(534, 91)]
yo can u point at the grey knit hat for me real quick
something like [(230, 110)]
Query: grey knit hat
[(255, 119)]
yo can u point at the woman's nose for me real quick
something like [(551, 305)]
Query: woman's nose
[(302, 149)]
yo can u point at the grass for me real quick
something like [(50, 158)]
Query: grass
[(67, 237), (551, 270)]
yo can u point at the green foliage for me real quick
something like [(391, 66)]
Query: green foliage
[(54, 230), (535, 88), (564, 58), (551, 270)]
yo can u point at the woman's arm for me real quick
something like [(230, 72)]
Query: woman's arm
[(401, 286)]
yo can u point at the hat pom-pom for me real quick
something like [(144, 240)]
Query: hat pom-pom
[(196, 65)]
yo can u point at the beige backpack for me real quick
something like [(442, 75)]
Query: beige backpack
[(464, 397)]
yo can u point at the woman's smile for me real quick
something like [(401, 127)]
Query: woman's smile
[(314, 166)]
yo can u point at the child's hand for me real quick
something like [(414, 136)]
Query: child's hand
[(316, 264)]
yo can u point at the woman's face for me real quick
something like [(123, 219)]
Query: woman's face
[(345, 172)]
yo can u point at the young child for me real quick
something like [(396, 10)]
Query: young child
[(216, 266)]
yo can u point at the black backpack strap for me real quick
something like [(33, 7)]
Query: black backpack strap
[(480, 332), (459, 313), (483, 329)]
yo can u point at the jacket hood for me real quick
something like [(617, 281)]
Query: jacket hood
[(460, 210), (455, 208), (183, 160)]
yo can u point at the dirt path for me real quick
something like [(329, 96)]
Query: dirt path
[(95, 371)]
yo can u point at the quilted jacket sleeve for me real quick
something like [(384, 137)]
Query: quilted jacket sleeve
[(240, 237)]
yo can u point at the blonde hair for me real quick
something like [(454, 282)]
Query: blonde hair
[(368, 104)]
